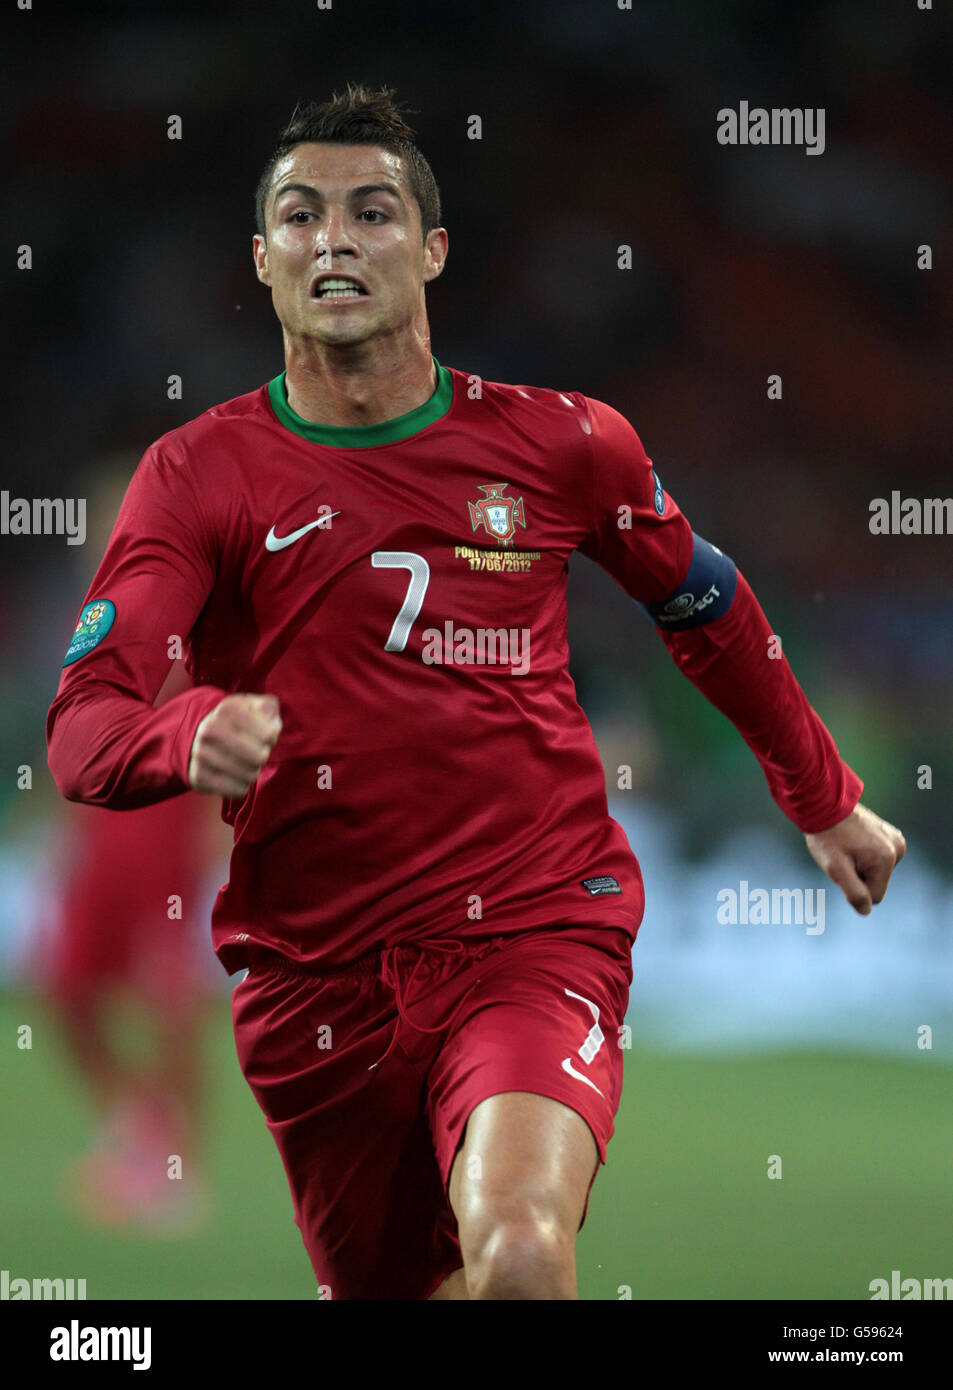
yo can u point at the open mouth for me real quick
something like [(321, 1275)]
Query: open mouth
[(338, 288)]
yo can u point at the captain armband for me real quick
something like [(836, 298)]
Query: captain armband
[(704, 594)]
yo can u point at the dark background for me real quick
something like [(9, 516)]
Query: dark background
[(598, 130)]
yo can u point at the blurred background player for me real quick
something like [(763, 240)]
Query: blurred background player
[(122, 970)]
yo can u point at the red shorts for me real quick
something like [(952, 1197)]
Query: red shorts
[(113, 925), (367, 1077)]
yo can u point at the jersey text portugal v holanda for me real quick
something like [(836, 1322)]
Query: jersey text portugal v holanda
[(401, 588)]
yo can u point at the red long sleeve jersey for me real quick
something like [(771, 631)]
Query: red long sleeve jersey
[(401, 588)]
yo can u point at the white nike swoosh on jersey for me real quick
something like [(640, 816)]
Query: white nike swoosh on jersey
[(273, 542), (568, 1066)]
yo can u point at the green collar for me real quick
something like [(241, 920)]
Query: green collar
[(364, 436)]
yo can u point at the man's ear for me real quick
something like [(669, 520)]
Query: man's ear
[(437, 246), (260, 256)]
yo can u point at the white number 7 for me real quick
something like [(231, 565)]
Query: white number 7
[(413, 602)]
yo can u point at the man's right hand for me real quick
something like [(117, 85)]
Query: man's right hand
[(233, 743)]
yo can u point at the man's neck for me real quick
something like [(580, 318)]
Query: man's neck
[(361, 385)]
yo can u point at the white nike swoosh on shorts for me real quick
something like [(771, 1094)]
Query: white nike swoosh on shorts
[(568, 1066)]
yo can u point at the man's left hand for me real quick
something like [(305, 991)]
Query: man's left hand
[(859, 854)]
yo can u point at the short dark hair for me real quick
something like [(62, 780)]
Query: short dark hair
[(358, 116)]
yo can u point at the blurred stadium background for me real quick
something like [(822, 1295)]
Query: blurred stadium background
[(598, 130)]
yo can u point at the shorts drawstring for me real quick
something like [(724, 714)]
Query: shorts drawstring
[(390, 976)]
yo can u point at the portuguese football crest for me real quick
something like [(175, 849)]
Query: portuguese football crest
[(497, 514)]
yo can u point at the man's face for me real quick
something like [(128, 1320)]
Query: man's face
[(340, 211)]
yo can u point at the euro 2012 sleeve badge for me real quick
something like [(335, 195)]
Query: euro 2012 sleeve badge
[(94, 622)]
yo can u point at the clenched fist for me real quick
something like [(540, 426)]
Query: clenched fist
[(859, 855), (233, 743)]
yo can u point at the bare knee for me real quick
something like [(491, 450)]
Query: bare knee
[(453, 1289), (521, 1256)]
